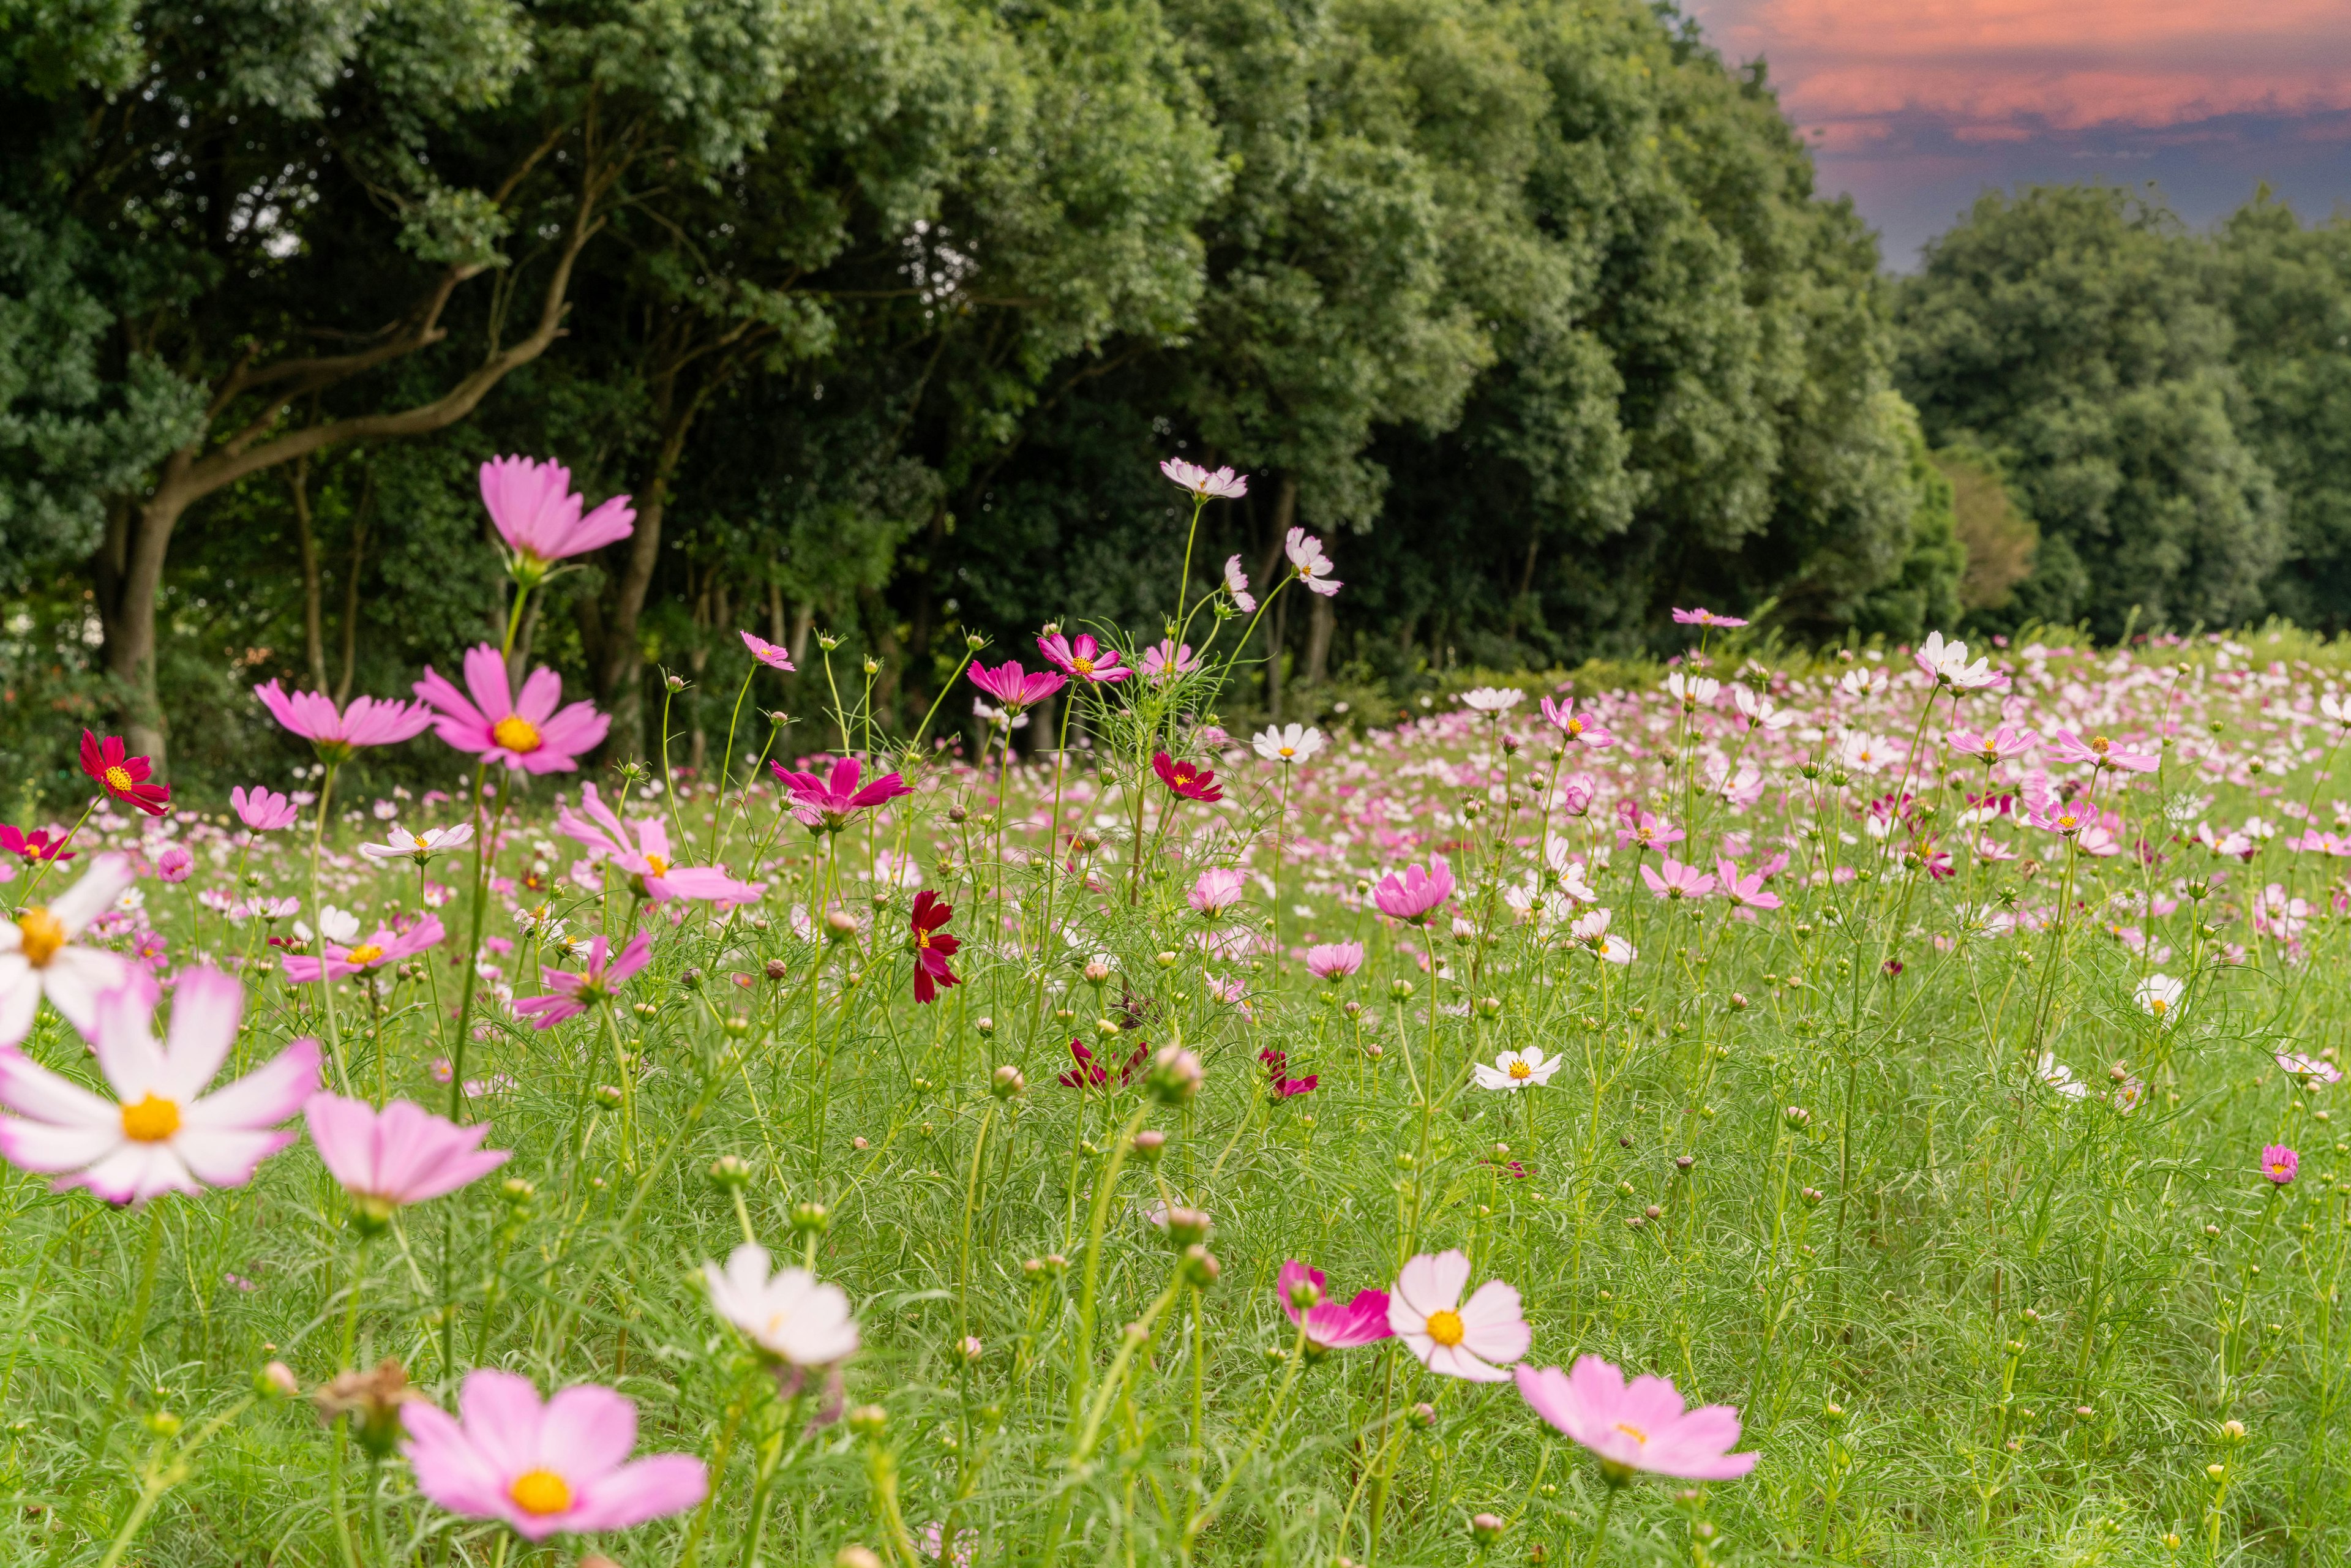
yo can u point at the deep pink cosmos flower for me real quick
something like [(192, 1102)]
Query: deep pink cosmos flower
[(1330, 1325), (535, 510), (1580, 727), (767, 653), (1164, 659), (523, 732), (1416, 895), (597, 983), (826, 804), (175, 863), (1335, 960), (1224, 484), (1216, 890), (1643, 1428), (122, 775), (401, 1155), (932, 947), (2280, 1165), (1702, 616), (1638, 829), (1671, 879), (2000, 745), (2099, 752), (1186, 780), (642, 849), (161, 1132), (1015, 687), (1082, 657), (34, 847), (557, 1469), (263, 810), (385, 947), (338, 733)]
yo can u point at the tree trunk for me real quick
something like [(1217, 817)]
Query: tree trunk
[(314, 616), (129, 573), (352, 604), (1320, 623), (803, 623)]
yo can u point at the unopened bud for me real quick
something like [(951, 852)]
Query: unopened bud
[(840, 924), (729, 1171), (675, 683), (1150, 1144), (279, 1378), (1188, 1225), (986, 1027), (868, 1420), (1486, 1527), (1007, 1082), (810, 1217), (1200, 1266), (1174, 1076), (1305, 1295), (1423, 1415)]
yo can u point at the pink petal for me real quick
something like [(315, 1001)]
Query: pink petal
[(486, 679), (587, 1432), (262, 1098)]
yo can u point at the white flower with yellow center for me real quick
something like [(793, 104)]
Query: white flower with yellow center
[(1518, 1070), (38, 955), (1471, 1340), (1287, 743), (790, 1315), (2158, 997)]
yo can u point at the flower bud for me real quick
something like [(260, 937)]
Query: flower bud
[(810, 1217), (840, 924), (1097, 973), (277, 1378), (971, 1350), (868, 1420), (1797, 1117), (1486, 1527), (609, 1096), (1188, 1225), (778, 969), (1421, 1417), (1200, 1266), (1174, 1076), (1305, 1295), (675, 683), (517, 1190), (728, 1171), (1007, 1082), (1683, 1163), (986, 1027), (1400, 990), (1149, 1144)]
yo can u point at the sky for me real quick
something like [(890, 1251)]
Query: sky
[(1915, 107)]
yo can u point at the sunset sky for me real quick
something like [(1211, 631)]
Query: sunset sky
[(1915, 106)]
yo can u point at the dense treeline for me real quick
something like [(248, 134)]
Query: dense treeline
[(882, 309)]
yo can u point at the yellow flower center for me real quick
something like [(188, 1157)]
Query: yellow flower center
[(1444, 1328), (1575, 726), (2098, 743), (2278, 1169), (365, 953), (40, 933), (921, 938), (1519, 1069), (150, 1120), (1083, 666), (1633, 1432), (660, 866), (518, 735), (2157, 1005), (1289, 751), (119, 780), (540, 1492)]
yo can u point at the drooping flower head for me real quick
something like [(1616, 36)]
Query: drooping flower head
[(122, 775), (1223, 485), (767, 653), (789, 1315), (385, 946), (1330, 1325), (1187, 780), (1083, 659), (159, 1132), (1015, 687), (1313, 568), (335, 733), (561, 1468), (1288, 743), (263, 810), (401, 1155), (2280, 1165), (1471, 1340), (1415, 893), (1236, 583), (932, 947), (535, 511), (1335, 960), (1216, 890), (599, 981), (1641, 1428), (524, 732), (39, 957), (824, 804)]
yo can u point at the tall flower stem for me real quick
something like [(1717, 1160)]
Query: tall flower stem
[(1183, 583), (1599, 1530), (727, 763), (319, 919), (1207, 1512), (57, 851)]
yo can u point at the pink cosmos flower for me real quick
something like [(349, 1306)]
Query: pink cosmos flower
[(175, 863), (1643, 1428), (1218, 889), (1015, 687), (161, 1132), (1638, 829), (767, 653), (535, 511), (1224, 484), (554, 1468), (1416, 895), (1080, 656), (826, 804), (263, 810), (1580, 727), (1335, 960), (1166, 659), (1747, 892), (2279, 1164), (386, 945), (523, 732), (337, 733), (401, 1155), (1575, 793), (2001, 745), (1457, 1338), (598, 982), (33, 848), (1705, 617), (642, 849), (1305, 552), (1671, 879), (1331, 1325), (1237, 584), (2099, 752)]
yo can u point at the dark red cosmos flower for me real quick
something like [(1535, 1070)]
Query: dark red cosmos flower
[(1089, 1073), (1276, 1074), (123, 775), (35, 845), (933, 948), (1191, 783)]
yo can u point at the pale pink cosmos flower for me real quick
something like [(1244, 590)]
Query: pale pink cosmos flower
[(598, 982), (401, 1155), (1329, 1324), (401, 844), (159, 1132), (338, 733), (1164, 659), (1223, 485), (2314, 1071), (1335, 960), (1014, 688), (642, 849), (1457, 1338), (1591, 929), (263, 810), (1218, 889), (1576, 793), (1305, 553), (39, 957), (523, 732), (385, 946), (1672, 879), (1080, 656), (535, 511), (826, 803), (1747, 891), (1643, 1428), (1760, 711), (561, 1467), (1236, 583), (2002, 745), (1947, 663), (2099, 752), (1705, 617), (768, 653), (1415, 894), (1580, 728)]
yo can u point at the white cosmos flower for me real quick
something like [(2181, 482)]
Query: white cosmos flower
[(1948, 663), (1693, 691), (2060, 1077), (1863, 752), (340, 926), (1518, 1070), (419, 847), (1492, 699), (790, 1315), (1760, 711), (1287, 743), (1471, 1340), (2158, 995), (38, 956)]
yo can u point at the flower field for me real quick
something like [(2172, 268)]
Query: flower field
[(1870, 1107)]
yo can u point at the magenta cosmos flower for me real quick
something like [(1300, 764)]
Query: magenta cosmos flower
[(2280, 1165), (122, 775), (1702, 616), (1216, 890), (561, 1468), (1643, 1428), (1335, 960), (534, 509), (767, 653), (161, 1132), (1457, 1338), (386, 945), (642, 849), (825, 804), (264, 811), (2098, 752), (524, 732), (1415, 894), (338, 733), (1186, 780), (1083, 657), (598, 982), (1331, 1325), (1223, 485), (34, 847), (1015, 687), (933, 948), (401, 1155)]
